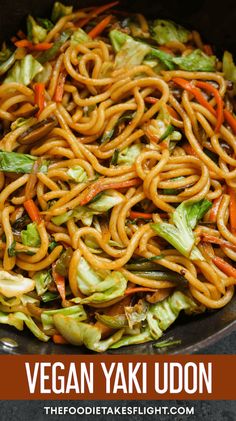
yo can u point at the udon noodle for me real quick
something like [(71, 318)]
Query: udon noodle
[(124, 210)]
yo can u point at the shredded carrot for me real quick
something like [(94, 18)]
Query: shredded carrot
[(220, 105), (59, 281), (224, 266), (32, 211), (189, 150), (151, 99), (39, 96), (231, 120), (208, 49), (215, 240), (25, 43), (140, 215), (99, 28), (139, 289), (232, 209), (97, 11), (58, 339), (214, 209), (98, 187), (185, 84), (60, 86), (42, 46)]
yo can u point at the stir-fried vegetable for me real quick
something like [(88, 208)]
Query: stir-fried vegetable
[(100, 27), (179, 233), (32, 210), (39, 96), (106, 201), (229, 68), (76, 312), (99, 286), (62, 264), (196, 61), (77, 174), (24, 70), (59, 10), (42, 280), (54, 50), (30, 236), (104, 97), (36, 33), (7, 59), (119, 39), (14, 285), (159, 317), (164, 31), (160, 129), (77, 333), (79, 37), (129, 155), (19, 163), (131, 54)]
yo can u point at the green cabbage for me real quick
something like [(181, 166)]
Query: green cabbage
[(77, 333), (50, 54), (229, 68), (131, 54), (99, 286), (161, 315), (140, 338), (30, 237), (165, 31), (77, 174), (35, 32), (44, 76), (18, 319), (19, 163), (179, 233), (119, 39), (106, 201), (42, 280), (196, 61), (59, 10), (7, 59), (76, 311), (12, 320), (14, 285), (79, 37), (129, 155), (24, 71)]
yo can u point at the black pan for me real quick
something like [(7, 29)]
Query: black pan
[(216, 23)]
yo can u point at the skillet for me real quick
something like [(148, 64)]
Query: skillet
[(217, 26)]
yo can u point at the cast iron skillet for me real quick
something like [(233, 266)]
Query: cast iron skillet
[(217, 26)]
